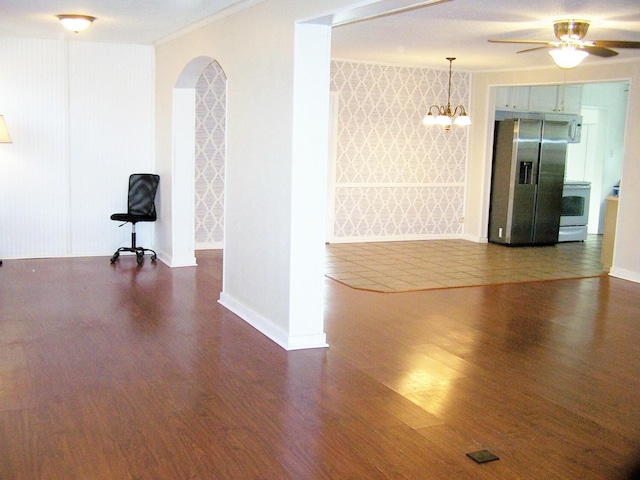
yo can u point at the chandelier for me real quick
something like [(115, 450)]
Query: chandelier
[(445, 116)]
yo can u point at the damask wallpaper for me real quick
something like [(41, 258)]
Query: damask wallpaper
[(395, 178), (211, 100)]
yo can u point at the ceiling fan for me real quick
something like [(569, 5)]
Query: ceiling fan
[(570, 49)]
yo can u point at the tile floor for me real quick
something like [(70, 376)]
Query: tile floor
[(430, 264)]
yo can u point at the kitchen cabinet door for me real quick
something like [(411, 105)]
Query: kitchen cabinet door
[(556, 99), (570, 99), (512, 98), (544, 99)]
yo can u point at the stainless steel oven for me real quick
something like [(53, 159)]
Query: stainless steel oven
[(575, 211)]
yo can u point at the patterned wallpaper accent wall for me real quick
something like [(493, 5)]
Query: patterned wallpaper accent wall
[(211, 104), (395, 178)]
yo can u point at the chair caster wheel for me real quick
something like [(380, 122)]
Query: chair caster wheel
[(139, 258), (114, 257), (153, 257)]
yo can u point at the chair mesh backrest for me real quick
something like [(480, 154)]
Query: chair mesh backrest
[(142, 194)]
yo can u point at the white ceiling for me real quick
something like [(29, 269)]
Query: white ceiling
[(117, 21), (461, 28), (421, 36)]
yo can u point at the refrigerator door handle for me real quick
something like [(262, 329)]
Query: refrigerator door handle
[(526, 173)]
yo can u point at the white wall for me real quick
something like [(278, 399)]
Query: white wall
[(275, 171), (81, 119), (598, 156), (609, 101), (626, 263)]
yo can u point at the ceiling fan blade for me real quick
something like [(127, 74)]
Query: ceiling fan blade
[(534, 48), (539, 42), (600, 51), (616, 44)]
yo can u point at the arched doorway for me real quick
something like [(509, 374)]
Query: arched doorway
[(184, 162), (210, 154)]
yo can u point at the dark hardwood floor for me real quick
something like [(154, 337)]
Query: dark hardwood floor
[(121, 372)]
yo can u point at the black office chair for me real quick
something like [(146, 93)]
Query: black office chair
[(140, 208)]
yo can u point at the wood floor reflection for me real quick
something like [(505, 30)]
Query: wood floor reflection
[(126, 372)]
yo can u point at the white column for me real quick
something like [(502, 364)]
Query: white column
[(308, 191), (182, 208)]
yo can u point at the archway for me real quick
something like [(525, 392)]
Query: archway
[(183, 165), (210, 155)]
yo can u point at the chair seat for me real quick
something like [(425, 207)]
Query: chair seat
[(132, 218)]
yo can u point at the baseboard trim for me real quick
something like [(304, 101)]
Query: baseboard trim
[(174, 262), (625, 274), (269, 330)]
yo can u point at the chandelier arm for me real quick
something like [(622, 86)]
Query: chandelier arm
[(439, 110), (459, 110)]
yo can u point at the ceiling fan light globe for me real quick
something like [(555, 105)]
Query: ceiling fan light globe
[(568, 57)]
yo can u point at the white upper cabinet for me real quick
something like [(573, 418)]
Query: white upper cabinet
[(556, 99), (570, 98), (543, 99), (512, 98)]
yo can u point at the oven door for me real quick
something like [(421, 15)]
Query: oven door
[(575, 204)]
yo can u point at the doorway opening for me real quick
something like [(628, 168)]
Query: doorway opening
[(595, 159), (210, 156), (184, 162)]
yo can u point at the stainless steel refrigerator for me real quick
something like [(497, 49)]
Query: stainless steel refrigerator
[(526, 183)]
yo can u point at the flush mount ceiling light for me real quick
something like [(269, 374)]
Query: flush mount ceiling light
[(75, 23), (445, 116)]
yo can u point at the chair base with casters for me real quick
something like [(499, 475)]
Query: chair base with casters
[(139, 251), (140, 208)]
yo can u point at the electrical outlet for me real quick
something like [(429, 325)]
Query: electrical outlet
[(460, 219)]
